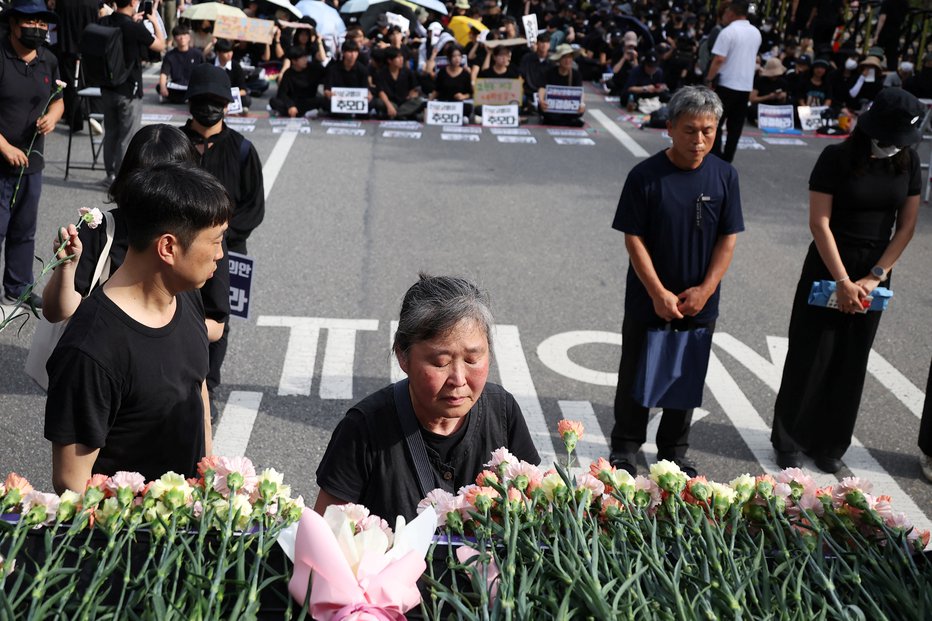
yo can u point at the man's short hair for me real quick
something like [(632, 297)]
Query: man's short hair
[(350, 46), (122, 4), (738, 7), (223, 45), (694, 101), (543, 37), (391, 53), (172, 198), (295, 51), (180, 29)]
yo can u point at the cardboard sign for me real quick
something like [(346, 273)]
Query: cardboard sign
[(244, 29), (563, 99), (349, 100), (237, 106), (500, 116), (242, 270), (444, 112), (530, 28), (774, 117), (398, 20), (498, 91), (811, 117)]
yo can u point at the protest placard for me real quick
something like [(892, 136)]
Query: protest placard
[(530, 28), (398, 20), (237, 106), (244, 29), (445, 113), (811, 117), (774, 117), (349, 100), (498, 91), (563, 99), (500, 116), (242, 270)]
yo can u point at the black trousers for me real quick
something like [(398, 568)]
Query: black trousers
[(925, 427), (735, 104), (630, 430), (217, 350)]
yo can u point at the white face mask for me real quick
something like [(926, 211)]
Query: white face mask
[(883, 152), (851, 64)]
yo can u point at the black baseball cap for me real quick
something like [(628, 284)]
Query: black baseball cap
[(207, 79)]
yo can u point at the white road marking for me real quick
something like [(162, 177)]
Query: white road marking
[(903, 389), (594, 443), (276, 160), (516, 378), (767, 371), (301, 354), (649, 449), (395, 372), (235, 427), (627, 141), (554, 352)]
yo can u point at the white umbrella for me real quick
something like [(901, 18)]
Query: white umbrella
[(210, 11), (360, 6), (328, 18), (431, 5), (284, 4)]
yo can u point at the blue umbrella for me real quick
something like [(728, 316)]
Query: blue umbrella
[(328, 18)]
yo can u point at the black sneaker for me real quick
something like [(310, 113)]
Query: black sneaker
[(622, 461), (32, 300), (788, 459)]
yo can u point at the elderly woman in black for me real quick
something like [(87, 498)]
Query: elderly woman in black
[(863, 204), (437, 427)]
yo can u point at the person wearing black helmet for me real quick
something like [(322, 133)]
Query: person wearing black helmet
[(28, 72), (863, 205)]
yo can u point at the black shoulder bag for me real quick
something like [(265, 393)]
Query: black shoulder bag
[(412, 432)]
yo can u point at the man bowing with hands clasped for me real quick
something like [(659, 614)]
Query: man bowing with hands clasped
[(680, 212)]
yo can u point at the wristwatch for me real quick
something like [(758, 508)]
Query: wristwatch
[(879, 272)]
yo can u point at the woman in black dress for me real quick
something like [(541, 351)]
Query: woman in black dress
[(863, 204)]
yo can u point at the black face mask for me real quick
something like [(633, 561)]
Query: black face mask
[(32, 38), (207, 113)]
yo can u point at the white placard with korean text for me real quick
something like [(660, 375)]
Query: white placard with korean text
[(530, 28), (811, 117), (563, 99), (349, 100), (774, 117), (445, 113), (500, 116)]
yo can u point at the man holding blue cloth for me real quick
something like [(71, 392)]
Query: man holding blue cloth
[(680, 212)]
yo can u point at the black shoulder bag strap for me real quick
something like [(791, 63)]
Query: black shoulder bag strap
[(412, 431)]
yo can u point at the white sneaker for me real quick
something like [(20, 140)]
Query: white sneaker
[(311, 114), (925, 463), (96, 129)]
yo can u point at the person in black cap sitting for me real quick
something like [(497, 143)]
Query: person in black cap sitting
[(645, 81), (863, 206), (297, 88), (225, 60), (28, 72), (232, 159)]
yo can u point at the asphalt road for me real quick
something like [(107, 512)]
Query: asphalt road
[(352, 219)]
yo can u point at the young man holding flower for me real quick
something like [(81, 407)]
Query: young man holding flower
[(30, 106), (127, 386)]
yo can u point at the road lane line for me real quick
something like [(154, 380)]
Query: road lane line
[(903, 389), (336, 374), (276, 160), (594, 443), (649, 448), (554, 352), (627, 141), (516, 378), (395, 372), (231, 438)]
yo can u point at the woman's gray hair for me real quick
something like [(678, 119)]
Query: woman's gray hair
[(694, 101), (434, 305)]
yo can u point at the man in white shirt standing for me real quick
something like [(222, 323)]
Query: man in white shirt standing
[(734, 61)]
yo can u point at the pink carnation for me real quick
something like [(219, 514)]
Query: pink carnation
[(440, 499), (207, 463), (565, 426), (644, 484), (501, 456), (587, 481), (92, 216), (98, 481), (15, 481), (796, 474), (239, 465), (486, 477), (531, 472), (49, 502), (132, 480)]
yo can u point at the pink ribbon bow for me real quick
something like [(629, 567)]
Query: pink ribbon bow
[(382, 592)]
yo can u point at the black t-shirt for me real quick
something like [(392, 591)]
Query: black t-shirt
[(136, 42), (767, 85), (215, 294), (864, 207), (812, 94), (659, 204), (447, 86), (367, 459), (24, 90), (356, 76), (178, 65), (398, 89), (130, 390), (553, 77), (896, 11), (222, 158), (511, 73), (300, 86)]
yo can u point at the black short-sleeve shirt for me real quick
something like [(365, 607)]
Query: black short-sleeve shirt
[(24, 90), (130, 390), (367, 460), (178, 65), (864, 206), (447, 86), (680, 215)]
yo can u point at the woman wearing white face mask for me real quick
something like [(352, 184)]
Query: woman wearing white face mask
[(863, 204)]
